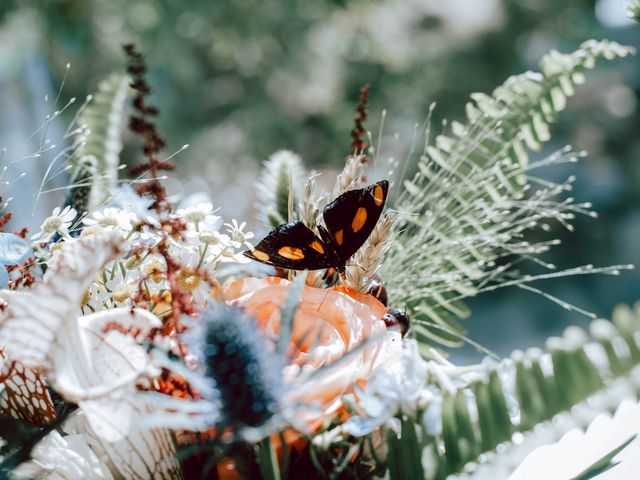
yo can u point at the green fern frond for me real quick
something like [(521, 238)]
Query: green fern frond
[(526, 391), (464, 214), (517, 115), (95, 172)]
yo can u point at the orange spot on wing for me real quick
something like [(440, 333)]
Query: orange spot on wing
[(359, 219), (291, 253), (339, 237), (260, 255), (378, 195), (317, 246)]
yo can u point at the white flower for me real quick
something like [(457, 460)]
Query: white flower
[(198, 214), (213, 238), (142, 454), (112, 219), (397, 384), (239, 237), (88, 363), (116, 285), (126, 198), (229, 255), (62, 458), (577, 451), (59, 222), (123, 292)]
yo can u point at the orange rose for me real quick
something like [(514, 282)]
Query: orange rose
[(328, 323)]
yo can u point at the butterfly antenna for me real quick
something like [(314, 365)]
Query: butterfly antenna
[(323, 299)]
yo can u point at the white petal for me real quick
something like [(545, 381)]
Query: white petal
[(29, 326)]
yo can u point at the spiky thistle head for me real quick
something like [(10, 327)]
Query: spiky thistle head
[(240, 365), (281, 173)]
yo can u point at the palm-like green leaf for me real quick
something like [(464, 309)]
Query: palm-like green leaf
[(527, 390), (464, 213), (95, 168)]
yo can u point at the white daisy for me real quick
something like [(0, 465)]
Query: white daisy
[(239, 236), (61, 457), (202, 213), (59, 222), (214, 239), (112, 219), (229, 255)]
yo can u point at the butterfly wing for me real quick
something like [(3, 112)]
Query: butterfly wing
[(293, 246), (351, 217)]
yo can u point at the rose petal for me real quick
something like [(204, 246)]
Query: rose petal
[(328, 324)]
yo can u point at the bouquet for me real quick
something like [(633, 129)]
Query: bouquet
[(142, 336)]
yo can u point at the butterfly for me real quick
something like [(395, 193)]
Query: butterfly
[(348, 220)]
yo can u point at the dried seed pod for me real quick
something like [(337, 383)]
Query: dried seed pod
[(397, 318), (377, 289)]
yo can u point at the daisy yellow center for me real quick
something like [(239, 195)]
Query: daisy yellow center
[(208, 238), (122, 292), (52, 224), (195, 216), (162, 306), (188, 280), (85, 297), (155, 271)]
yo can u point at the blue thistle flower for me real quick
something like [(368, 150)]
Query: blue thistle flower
[(241, 366)]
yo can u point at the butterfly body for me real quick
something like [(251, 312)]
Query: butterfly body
[(348, 222)]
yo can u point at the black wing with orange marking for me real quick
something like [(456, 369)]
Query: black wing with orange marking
[(293, 246), (351, 217)]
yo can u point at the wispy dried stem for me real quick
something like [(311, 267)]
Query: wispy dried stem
[(368, 259), (309, 206), (350, 177)]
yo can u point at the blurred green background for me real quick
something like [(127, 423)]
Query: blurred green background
[(240, 79)]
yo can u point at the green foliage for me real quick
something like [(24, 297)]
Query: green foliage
[(605, 463), (268, 460), (634, 10), (99, 145), (405, 454), (279, 188), (466, 209), (540, 385)]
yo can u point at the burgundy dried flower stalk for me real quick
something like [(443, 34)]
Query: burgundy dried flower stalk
[(4, 218), (176, 299), (142, 124), (358, 133)]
